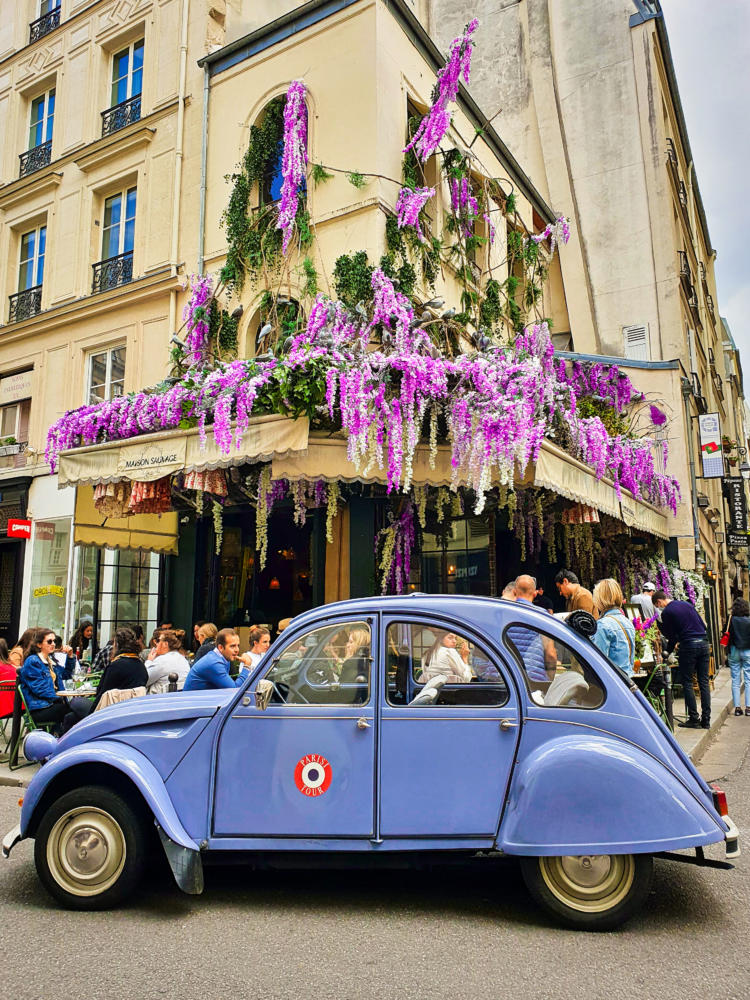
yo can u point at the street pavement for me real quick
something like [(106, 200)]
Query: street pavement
[(441, 932)]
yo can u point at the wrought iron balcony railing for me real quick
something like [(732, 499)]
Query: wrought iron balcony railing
[(704, 278), (672, 158), (35, 158), (25, 304), (112, 272), (685, 273), (122, 114), (44, 24), (710, 306)]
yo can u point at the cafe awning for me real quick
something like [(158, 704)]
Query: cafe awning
[(326, 458), (151, 456), (557, 471), (153, 532)]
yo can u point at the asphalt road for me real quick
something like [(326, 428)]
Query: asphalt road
[(395, 934)]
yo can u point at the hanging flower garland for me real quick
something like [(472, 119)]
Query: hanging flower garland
[(408, 206), (396, 543), (294, 158), (556, 232), (437, 121), (196, 315)]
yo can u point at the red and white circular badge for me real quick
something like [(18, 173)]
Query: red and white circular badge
[(313, 774)]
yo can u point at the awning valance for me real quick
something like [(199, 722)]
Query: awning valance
[(326, 458), (153, 532), (559, 472), (151, 456)]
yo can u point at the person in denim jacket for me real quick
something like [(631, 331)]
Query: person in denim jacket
[(41, 678), (739, 653), (615, 633)]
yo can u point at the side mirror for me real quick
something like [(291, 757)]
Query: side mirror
[(263, 693)]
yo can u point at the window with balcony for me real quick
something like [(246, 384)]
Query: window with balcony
[(41, 122), (28, 300), (106, 375), (14, 434), (118, 237), (48, 20), (127, 84)]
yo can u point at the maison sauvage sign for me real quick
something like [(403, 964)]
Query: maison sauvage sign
[(147, 462)]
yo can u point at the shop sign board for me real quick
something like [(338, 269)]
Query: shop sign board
[(18, 528), (148, 462), (737, 540), (734, 491), (712, 457), (51, 590), (44, 531), (14, 388)]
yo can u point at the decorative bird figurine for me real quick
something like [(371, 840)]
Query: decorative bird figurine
[(264, 332)]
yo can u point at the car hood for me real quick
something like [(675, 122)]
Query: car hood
[(150, 710)]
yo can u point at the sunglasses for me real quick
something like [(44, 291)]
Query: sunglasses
[(50, 642)]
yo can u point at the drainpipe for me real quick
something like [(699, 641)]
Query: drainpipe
[(204, 157), (179, 150), (687, 392)]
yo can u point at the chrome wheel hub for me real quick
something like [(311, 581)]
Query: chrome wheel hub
[(86, 851), (591, 883)]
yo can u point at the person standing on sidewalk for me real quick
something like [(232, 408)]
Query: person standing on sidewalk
[(681, 624), (577, 598), (739, 653)]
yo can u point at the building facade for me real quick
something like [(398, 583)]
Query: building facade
[(588, 100)]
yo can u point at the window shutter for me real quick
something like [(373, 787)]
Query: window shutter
[(636, 346)]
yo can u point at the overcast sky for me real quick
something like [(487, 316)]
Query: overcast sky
[(711, 50)]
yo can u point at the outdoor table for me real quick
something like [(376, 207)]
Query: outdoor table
[(655, 684), (79, 693)]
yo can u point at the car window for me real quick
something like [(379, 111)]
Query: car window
[(429, 664), (326, 666), (555, 675)]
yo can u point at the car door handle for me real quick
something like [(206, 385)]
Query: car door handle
[(363, 724), (506, 724)]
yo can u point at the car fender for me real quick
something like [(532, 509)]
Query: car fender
[(123, 758), (597, 794)]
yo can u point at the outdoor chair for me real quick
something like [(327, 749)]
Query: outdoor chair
[(22, 725)]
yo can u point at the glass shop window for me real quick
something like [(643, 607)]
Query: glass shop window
[(49, 573), (555, 675), (427, 664), (327, 666)]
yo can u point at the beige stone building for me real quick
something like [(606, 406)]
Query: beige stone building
[(588, 100)]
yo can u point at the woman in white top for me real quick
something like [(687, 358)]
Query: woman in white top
[(165, 659), (444, 660), (260, 640)]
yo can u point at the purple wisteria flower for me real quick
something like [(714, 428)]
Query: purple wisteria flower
[(294, 158), (556, 232), (658, 417), (197, 315), (437, 121), (408, 206)]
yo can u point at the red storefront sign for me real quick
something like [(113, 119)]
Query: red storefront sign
[(18, 528)]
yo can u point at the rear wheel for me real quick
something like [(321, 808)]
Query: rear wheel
[(595, 892), (90, 849)]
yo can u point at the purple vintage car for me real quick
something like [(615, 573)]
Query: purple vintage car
[(411, 725)]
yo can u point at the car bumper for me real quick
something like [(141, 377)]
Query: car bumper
[(731, 839), (11, 839)]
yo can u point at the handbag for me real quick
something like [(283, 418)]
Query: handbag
[(724, 641)]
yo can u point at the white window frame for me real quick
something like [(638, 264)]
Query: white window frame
[(123, 196), (627, 348), (50, 5), (16, 429), (130, 49), (35, 258), (47, 119), (108, 374)]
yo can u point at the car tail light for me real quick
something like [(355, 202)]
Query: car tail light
[(720, 801)]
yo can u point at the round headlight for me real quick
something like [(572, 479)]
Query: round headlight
[(38, 745)]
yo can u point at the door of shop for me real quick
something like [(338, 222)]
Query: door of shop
[(11, 574)]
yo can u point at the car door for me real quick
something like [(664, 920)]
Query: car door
[(305, 765), (444, 767)]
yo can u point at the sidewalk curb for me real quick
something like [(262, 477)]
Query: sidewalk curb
[(11, 782), (695, 742)]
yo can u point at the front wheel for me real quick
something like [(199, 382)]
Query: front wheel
[(90, 849), (594, 892)]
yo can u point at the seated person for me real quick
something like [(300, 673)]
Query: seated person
[(206, 637), (260, 639), (444, 660), (212, 670), (356, 657), (41, 678), (165, 659), (124, 670)]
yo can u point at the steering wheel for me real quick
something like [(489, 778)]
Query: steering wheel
[(281, 686)]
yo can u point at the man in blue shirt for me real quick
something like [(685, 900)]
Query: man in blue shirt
[(681, 623), (212, 670)]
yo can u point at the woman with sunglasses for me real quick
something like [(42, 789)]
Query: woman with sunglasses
[(41, 678)]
